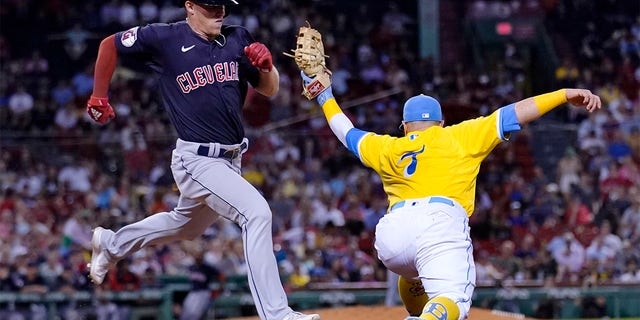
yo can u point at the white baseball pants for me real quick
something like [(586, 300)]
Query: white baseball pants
[(213, 187), (428, 238)]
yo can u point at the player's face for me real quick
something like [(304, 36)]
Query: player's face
[(208, 19)]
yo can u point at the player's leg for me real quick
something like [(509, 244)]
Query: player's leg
[(187, 221), (412, 295), (396, 247), (446, 266), (237, 200)]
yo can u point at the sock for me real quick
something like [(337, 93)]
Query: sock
[(412, 294), (440, 308)]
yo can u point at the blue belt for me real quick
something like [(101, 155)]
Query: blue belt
[(227, 153), (401, 204)]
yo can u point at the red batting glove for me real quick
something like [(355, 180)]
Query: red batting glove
[(259, 56), (100, 110)]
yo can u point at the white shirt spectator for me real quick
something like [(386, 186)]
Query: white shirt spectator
[(66, 117), (631, 274), (21, 101), (77, 229), (32, 183), (76, 176), (605, 245)]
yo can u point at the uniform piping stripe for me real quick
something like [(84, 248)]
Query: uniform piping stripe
[(499, 125), (468, 257)]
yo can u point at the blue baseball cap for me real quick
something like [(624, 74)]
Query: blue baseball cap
[(422, 108)]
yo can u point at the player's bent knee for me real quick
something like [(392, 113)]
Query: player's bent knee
[(260, 211), (441, 308)]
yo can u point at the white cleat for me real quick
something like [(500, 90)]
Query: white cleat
[(413, 318), (99, 265), (301, 316)]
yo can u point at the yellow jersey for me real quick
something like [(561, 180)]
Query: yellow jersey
[(439, 161)]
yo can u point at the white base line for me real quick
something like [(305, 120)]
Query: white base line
[(508, 314)]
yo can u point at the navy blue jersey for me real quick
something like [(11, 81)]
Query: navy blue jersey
[(203, 83)]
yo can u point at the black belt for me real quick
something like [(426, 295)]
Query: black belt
[(223, 152)]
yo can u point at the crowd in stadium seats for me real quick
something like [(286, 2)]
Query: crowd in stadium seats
[(61, 175)]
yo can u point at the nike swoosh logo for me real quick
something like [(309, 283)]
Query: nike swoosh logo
[(187, 48)]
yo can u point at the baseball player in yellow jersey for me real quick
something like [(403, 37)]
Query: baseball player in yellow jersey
[(429, 175)]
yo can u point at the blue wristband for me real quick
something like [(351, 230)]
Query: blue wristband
[(324, 96)]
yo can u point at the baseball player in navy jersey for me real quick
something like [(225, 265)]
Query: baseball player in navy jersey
[(429, 176), (204, 69)]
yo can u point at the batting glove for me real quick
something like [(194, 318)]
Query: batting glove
[(100, 110), (259, 56), (324, 95)]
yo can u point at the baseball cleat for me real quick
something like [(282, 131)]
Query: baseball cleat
[(99, 264), (301, 316), (413, 318)]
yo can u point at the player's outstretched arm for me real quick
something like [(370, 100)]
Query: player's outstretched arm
[(530, 109), (338, 121), (260, 57), (98, 106)]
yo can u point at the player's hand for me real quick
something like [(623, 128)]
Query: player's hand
[(324, 95), (259, 56), (100, 110), (583, 98)]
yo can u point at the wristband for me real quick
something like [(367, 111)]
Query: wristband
[(548, 101), (324, 96), (95, 101)]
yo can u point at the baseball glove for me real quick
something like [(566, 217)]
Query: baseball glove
[(309, 56)]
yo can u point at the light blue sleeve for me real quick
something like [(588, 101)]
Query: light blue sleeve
[(508, 121), (353, 138)]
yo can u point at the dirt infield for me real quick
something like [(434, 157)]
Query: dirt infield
[(393, 313)]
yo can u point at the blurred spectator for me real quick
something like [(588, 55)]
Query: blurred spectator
[(570, 256), (20, 105), (32, 282), (631, 273), (75, 176), (508, 263), (36, 65), (299, 278), (77, 229), (604, 247), (577, 213), (62, 93), (630, 220), (148, 11), (593, 307), (568, 171), (66, 119), (199, 299)]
